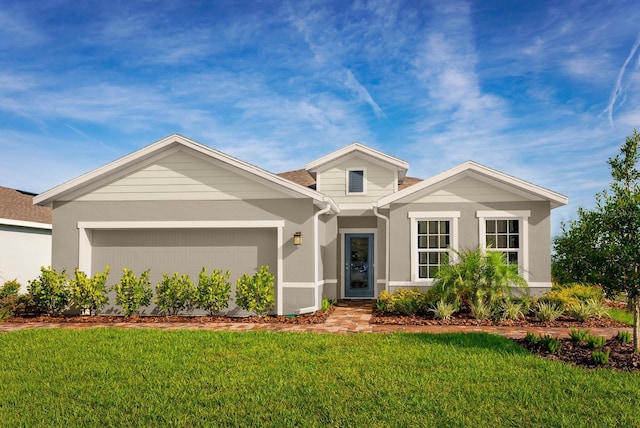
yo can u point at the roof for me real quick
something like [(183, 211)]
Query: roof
[(16, 208), (481, 172), (176, 142), (355, 149)]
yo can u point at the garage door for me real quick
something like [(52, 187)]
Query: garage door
[(183, 251)]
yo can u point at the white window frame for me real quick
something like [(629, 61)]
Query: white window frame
[(523, 251), (415, 217), (364, 181)]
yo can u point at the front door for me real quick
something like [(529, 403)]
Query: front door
[(358, 275)]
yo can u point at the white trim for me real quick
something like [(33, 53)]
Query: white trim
[(362, 206), (234, 224), (428, 283), (488, 175), (280, 272), (523, 251), (540, 285), (387, 245), (316, 252), (344, 231), (348, 181), (400, 283), (299, 285), (416, 216), (22, 223), (330, 281)]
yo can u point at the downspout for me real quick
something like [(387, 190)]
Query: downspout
[(387, 246), (316, 263)]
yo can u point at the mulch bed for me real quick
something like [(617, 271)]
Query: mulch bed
[(467, 319), (317, 317), (621, 356)]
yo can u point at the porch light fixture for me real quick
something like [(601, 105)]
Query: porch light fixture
[(297, 238)]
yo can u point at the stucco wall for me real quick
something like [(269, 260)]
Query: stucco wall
[(538, 235)]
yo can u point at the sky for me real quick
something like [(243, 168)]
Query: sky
[(546, 91)]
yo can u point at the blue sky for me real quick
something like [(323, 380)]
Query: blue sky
[(543, 90)]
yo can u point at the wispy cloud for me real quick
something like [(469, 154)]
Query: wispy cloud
[(617, 87)]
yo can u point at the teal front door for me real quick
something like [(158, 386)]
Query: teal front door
[(358, 254)]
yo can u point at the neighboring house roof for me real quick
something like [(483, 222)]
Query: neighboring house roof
[(303, 178), (480, 172), (127, 163), (355, 149), (17, 209)]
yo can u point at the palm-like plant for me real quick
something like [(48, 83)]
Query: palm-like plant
[(477, 276)]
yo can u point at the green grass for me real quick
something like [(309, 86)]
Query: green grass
[(621, 315), (118, 377)]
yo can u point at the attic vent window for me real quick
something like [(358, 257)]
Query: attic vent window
[(356, 181)]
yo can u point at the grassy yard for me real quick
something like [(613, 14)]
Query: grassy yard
[(118, 377), (621, 315)]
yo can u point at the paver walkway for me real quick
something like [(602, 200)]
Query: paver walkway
[(348, 317)]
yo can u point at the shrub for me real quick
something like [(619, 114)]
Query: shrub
[(327, 303), (552, 344), (531, 337), (50, 291), (174, 293), (479, 275), (90, 294), (595, 341), (578, 335), (10, 288), (213, 291), (511, 310), (443, 310), (624, 336), (403, 301), (586, 309), (600, 357), (481, 310), (547, 311), (131, 292), (569, 295), (5, 313), (255, 293)]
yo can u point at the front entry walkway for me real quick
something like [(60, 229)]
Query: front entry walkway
[(348, 317)]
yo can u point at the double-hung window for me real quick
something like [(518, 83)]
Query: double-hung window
[(506, 232), (433, 235)]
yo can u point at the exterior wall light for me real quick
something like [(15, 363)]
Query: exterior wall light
[(297, 238)]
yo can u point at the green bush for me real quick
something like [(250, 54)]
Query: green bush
[(256, 293), (50, 292), (569, 295), (174, 293), (10, 288), (624, 336), (595, 341), (578, 335), (213, 291), (600, 357), (548, 311), (481, 310), (531, 337), (443, 310), (327, 303), (402, 301), (510, 310), (586, 309), (552, 344), (131, 292), (90, 294)]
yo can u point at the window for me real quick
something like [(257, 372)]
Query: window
[(356, 181), (506, 232), (434, 239), (433, 235), (504, 236)]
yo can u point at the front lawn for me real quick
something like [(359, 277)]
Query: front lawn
[(119, 377)]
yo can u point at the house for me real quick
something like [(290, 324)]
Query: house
[(25, 236), (348, 226)]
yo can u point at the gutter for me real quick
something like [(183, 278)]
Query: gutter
[(386, 244)]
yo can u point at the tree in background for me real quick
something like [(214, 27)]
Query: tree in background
[(603, 245)]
